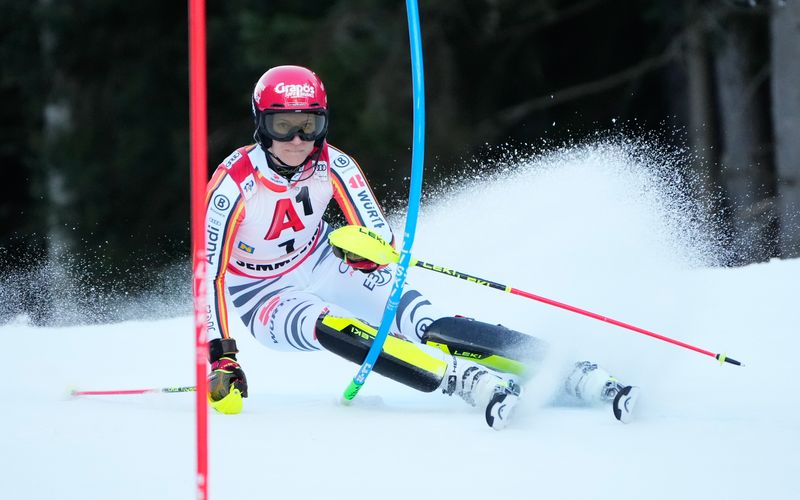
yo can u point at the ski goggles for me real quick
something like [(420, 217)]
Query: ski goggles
[(309, 126)]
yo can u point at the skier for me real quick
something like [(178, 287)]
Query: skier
[(271, 264)]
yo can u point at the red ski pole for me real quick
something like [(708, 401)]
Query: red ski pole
[(123, 392), (721, 357), (362, 242)]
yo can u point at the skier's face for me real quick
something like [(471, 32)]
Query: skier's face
[(292, 152)]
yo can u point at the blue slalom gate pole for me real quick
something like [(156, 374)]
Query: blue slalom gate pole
[(415, 193)]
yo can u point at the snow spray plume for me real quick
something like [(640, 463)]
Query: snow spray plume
[(580, 192), (605, 212), (67, 289)]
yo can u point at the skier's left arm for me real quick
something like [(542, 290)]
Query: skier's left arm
[(359, 204)]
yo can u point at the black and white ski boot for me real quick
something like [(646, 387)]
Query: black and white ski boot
[(483, 387), (501, 406), (624, 403), (593, 384)]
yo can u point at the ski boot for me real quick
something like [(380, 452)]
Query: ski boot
[(479, 386), (593, 384)]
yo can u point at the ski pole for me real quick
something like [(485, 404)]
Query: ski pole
[(168, 390), (362, 242)]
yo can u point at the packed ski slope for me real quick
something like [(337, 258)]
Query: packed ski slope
[(595, 227)]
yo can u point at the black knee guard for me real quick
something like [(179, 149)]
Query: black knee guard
[(494, 346), (400, 360)]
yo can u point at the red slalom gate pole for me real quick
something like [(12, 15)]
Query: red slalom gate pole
[(199, 178)]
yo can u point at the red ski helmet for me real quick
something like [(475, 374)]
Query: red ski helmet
[(290, 89)]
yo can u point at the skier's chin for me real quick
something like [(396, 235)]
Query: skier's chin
[(293, 158)]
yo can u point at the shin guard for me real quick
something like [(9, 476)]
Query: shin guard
[(493, 346), (400, 360)]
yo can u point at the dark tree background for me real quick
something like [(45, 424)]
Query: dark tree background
[(94, 141)]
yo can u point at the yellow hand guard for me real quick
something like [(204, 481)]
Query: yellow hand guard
[(230, 404), (363, 243)]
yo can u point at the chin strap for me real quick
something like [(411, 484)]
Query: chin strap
[(289, 171)]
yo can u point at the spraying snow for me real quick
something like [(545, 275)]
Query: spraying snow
[(611, 227)]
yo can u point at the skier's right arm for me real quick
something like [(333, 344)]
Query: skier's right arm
[(224, 212)]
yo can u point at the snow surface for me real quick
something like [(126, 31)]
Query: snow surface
[(600, 227)]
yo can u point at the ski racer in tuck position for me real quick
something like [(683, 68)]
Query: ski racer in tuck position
[(270, 263)]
